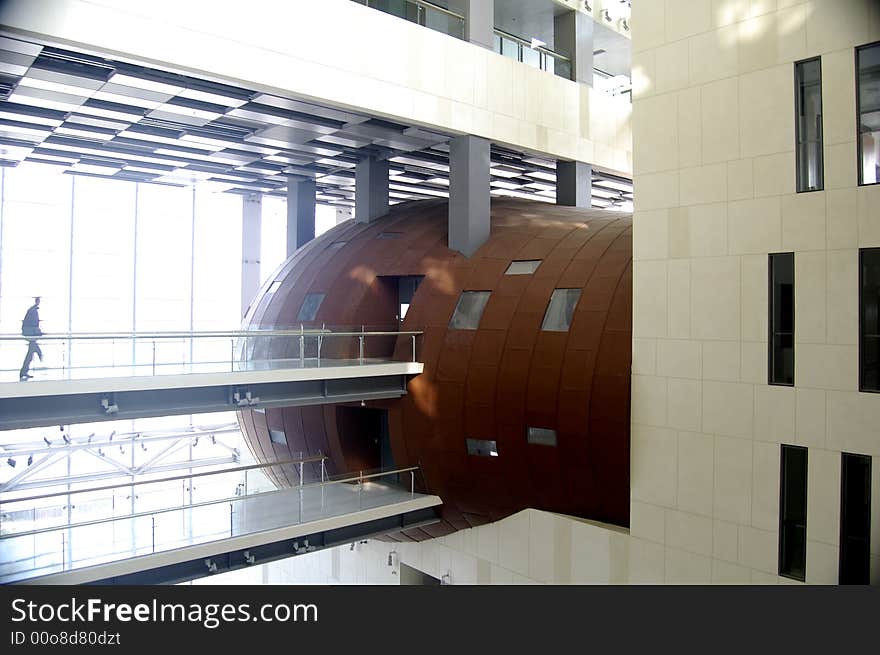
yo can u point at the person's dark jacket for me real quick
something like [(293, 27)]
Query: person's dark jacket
[(30, 325)]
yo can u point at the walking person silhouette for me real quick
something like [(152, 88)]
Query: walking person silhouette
[(30, 327)]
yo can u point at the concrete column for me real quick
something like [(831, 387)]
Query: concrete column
[(300, 212), (479, 20), (574, 184), (468, 193), (370, 189), (573, 37), (251, 226)]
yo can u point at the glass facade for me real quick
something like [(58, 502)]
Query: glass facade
[(109, 255)]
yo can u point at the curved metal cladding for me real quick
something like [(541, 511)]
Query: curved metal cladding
[(489, 383)]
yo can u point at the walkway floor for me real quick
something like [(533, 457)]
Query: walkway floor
[(260, 516)]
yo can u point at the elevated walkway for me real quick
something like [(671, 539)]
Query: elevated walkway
[(188, 373), (98, 544)]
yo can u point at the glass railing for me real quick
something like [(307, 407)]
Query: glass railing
[(423, 13), (58, 532), (90, 355), (510, 45)]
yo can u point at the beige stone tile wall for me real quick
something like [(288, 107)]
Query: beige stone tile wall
[(714, 177)]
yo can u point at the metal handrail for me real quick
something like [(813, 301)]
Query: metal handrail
[(189, 476), (528, 44), (74, 336), (427, 5), (229, 499)]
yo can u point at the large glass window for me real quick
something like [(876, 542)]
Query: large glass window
[(469, 310), (557, 318), (541, 436), (855, 519), (793, 513), (808, 100), (868, 112), (869, 319), (781, 338)]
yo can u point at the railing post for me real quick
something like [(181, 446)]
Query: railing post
[(412, 483), (230, 519), (361, 346), (153, 519), (414, 347), (302, 346), (232, 354), (360, 488), (154, 357)]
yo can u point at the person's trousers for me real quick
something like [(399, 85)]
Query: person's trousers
[(33, 349)]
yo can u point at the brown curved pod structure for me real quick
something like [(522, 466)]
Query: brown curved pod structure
[(490, 383)]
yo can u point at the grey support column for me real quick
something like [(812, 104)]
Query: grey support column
[(300, 212), (468, 193), (479, 16), (251, 226), (370, 190), (574, 184), (573, 37)]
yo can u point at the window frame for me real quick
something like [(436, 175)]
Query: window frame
[(580, 293), (861, 302), (770, 320), (856, 51), (488, 293), (844, 537), (782, 514), (797, 144)]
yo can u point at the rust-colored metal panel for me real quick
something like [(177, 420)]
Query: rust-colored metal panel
[(490, 383)]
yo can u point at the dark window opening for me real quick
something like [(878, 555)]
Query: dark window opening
[(278, 436), (868, 112), (406, 289), (808, 101), (541, 436), (781, 324), (869, 319), (793, 513), (482, 447), (855, 519)]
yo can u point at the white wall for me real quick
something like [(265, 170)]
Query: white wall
[(714, 175), (343, 54)]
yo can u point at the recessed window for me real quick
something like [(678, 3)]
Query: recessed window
[(469, 310), (557, 318), (793, 513), (388, 235), (781, 324), (310, 306), (869, 319), (336, 245), (855, 519), (808, 101), (523, 267), (274, 286), (541, 436), (868, 112), (482, 447), (278, 436)]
